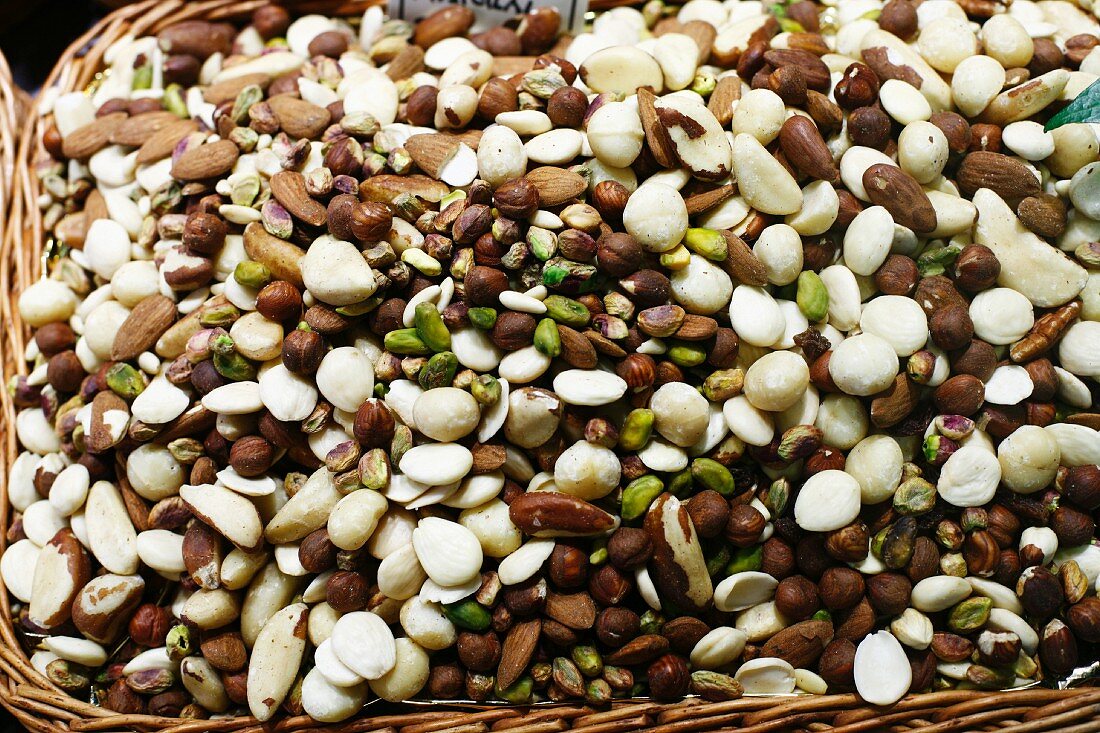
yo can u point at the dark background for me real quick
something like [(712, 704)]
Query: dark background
[(32, 36)]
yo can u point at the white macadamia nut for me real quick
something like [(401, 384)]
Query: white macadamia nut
[(615, 134), (863, 365), (702, 287), (969, 477), (842, 420), (876, 463), (446, 414), (587, 471), (1001, 315), (828, 500), (1029, 459), (680, 413), (922, 151), (776, 381), (900, 321), (656, 216), (779, 249)]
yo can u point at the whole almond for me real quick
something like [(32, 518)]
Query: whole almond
[(289, 189), (299, 118), (146, 323), (805, 149), (206, 161), (227, 90), (160, 144), (431, 152), (1005, 176), (576, 350), (900, 194), (88, 140), (135, 131), (556, 186), (741, 263), (519, 647)]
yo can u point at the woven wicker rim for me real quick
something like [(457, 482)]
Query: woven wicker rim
[(42, 707)]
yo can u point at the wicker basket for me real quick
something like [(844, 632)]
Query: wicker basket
[(41, 707)]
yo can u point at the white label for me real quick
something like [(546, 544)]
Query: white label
[(490, 13)]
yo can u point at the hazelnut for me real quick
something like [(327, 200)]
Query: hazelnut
[(225, 651), (979, 359), (709, 513), (837, 663), (810, 556), (1040, 592), (1073, 527), (236, 686), (857, 87), (609, 198), (647, 288), (54, 338), (270, 21), (347, 591), (639, 371), (526, 598), (985, 138), (317, 553), (609, 585), (981, 552), (951, 327), (955, 128), (513, 331), (997, 649), (616, 626), (251, 455), (279, 301), (374, 424), (869, 126), (566, 107), (517, 198), (1058, 648), (1044, 379), (64, 372), (976, 268), (499, 41), (889, 593), (796, 597), (618, 254), (1082, 486), (925, 561), (484, 284), (497, 96), (898, 275), (123, 700), (420, 106), (479, 652), (446, 681), (684, 632), (539, 29), (857, 622), (668, 677), (328, 43), (840, 588), (777, 558), (204, 233), (900, 18), (1084, 618), (962, 394), (149, 625), (568, 566), (303, 351), (935, 292), (744, 525), (1046, 57)]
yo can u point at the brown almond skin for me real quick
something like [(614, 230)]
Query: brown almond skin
[(805, 149), (900, 194), (801, 644), (549, 514)]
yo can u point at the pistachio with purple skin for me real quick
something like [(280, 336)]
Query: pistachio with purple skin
[(938, 448), (955, 427)]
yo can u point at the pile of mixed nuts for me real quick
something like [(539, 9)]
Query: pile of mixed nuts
[(727, 348)]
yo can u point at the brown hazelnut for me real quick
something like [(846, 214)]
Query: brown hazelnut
[(251, 455), (446, 681), (777, 558), (484, 285), (684, 632), (1040, 592), (1073, 527), (149, 625), (517, 198), (837, 663), (1045, 58), (526, 598), (629, 548), (499, 41), (270, 21), (639, 371), (279, 301), (925, 561), (225, 651), (898, 275), (347, 591), (1084, 618), (811, 558), (889, 593), (900, 18), (1082, 486), (981, 552), (951, 327), (566, 107), (497, 96), (997, 649), (618, 254), (370, 221), (123, 700), (840, 588), (796, 597), (609, 198), (985, 137), (448, 21), (709, 513), (568, 566), (616, 626), (374, 424), (857, 87), (609, 585), (744, 525), (1058, 648), (236, 686), (869, 126), (303, 351), (668, 677), (538, 29), (976, 268), (513, 330), (479, 652), (935, 292), (955, 128), (64, 372), (979, 359), (328, 43), (962, 394), (420, 106), (53, 338), (204, 233)]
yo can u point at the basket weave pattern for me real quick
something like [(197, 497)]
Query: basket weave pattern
[(41, 707)]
